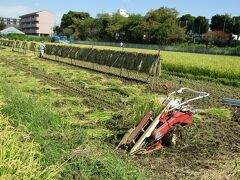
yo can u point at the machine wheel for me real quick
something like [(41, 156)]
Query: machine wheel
[(170, 139)]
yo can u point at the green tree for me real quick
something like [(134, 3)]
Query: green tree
[(132, 28), (68, 19), (88, 28), (222, 23), (178, 35), (67, 32), (186, 21), (200, 25), (2, 26), (104, 21), (236, 25), (116, 26), (57, 30), (159, 25)]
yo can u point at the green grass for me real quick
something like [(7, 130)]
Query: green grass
[(219, 113), (99, 134), (215, 66), (104, 164), (83, 78), (20, 158), (58, 139), (85, 148), (197, 118), (100, 116), (140, 105)]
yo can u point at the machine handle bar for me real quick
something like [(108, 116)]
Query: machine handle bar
[(201, 95)]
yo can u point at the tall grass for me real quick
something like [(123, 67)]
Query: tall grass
[(215, 66), (19, 157), (38, 119)]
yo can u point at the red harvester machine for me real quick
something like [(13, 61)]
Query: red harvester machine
[(149, 134)]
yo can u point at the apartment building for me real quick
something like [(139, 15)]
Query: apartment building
[(39, 23), (10, 22)]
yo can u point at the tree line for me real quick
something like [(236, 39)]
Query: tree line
[(159, 26)]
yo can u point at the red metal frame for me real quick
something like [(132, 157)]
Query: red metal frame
[(139, 127), (168, 120)]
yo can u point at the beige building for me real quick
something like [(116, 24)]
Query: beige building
[(37, 23)]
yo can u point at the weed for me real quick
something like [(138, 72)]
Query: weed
[(102, 117), (219, 114)]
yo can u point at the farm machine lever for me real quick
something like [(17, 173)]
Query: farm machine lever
[(149, 134)]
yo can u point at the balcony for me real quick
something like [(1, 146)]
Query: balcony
[(29, 19), (31, 25), (30, 31)]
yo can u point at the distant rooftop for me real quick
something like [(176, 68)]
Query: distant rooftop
[(8, 18), (11, 30), (30, 14)]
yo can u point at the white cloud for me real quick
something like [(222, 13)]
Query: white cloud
[(14, 11)]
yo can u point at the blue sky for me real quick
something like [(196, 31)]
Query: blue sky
[(208, 8)]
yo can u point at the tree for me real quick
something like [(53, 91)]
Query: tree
[(178, 35), (200, 25), (236, 25), (57, 30), (132, 28), (219, 38), (88, 28), (160, 24), (116, 27), (68, 19), (222, 23), (67, 32), (186, 21), (104, 21), (2, 26)]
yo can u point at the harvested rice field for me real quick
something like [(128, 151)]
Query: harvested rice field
[(60, 121)]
